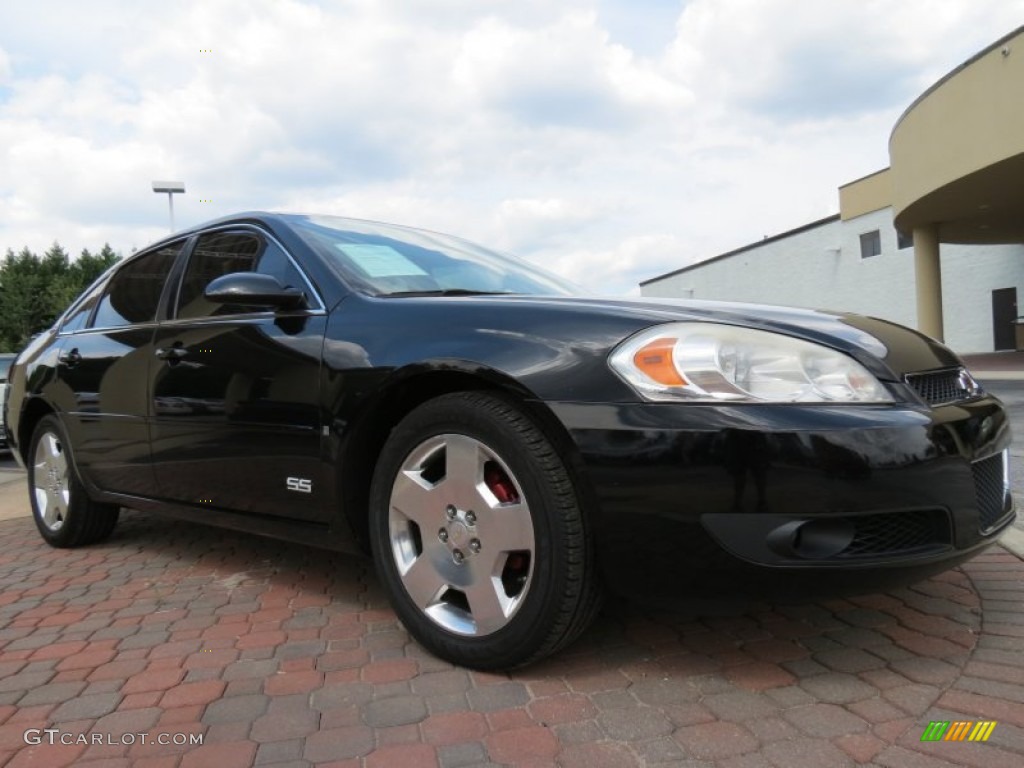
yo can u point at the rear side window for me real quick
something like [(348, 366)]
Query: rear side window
[(221, 253), (133, 293), (79, 316)]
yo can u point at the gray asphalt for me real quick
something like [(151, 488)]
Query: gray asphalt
[(9, 470)]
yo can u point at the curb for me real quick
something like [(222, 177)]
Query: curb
[(997, 375), (1012, 541)]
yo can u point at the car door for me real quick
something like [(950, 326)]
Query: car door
[(236, 421), (102, 373)]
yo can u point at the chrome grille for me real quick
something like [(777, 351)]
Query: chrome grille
[(949, 385), (989, 490)]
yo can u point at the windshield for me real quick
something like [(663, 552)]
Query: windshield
[(390, 260), (5, 365)]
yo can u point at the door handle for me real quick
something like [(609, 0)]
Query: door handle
[(70, 358), (172, 354)]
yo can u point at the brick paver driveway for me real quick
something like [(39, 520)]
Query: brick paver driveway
[(285, 656)]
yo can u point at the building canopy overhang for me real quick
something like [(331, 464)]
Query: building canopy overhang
[(984, 206), (957, 153)]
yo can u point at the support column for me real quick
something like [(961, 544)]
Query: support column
[(928, 281)]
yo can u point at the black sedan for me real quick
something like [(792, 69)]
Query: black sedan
[(505, 446)]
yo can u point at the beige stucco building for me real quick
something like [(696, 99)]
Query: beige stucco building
[(955, 181)]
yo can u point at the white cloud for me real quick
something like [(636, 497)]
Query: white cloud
[(790, 59), (520, 223), (563, 73), (610, 139), (617, 267), (5, 68)]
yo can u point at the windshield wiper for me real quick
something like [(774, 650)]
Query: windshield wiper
[(445, 292)]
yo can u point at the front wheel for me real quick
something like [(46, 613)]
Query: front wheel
[(478, 535), (63, 511)]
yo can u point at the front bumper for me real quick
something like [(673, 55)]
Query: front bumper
[(749, 498)]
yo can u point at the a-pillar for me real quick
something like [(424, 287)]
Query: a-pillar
[(928, 281)]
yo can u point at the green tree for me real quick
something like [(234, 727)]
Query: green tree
[(58, 287), (18, 297), (35, 290), (89, 266)]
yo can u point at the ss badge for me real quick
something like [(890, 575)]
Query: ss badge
[(300, 484)]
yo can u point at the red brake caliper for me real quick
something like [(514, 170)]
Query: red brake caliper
[(499, 484), (504, 492)]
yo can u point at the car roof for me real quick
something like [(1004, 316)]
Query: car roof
[(273, 217), (246, 217)]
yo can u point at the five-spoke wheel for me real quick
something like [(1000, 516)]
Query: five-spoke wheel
[(461, 534), (61, 507), (50, 481), (478, 534)]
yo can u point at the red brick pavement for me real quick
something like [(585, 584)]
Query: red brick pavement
[(282, 656)]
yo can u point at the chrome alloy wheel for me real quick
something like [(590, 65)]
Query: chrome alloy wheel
[(50, 482), (461, 535)]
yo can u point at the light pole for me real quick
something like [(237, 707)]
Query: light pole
[(170, 187)]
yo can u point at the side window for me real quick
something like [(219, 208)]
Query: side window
[(221, 253), (79, 316), (133, 292)]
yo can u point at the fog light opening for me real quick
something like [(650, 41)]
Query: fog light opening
[(812, 539)]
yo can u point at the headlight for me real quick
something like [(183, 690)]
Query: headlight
[(711, 362)]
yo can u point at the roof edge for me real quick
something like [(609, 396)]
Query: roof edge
[(744, 248), (951, 74), (866, 177)]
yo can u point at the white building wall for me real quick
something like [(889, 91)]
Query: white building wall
[(822, 268), (791, 271), (969, 275), (880, 286)]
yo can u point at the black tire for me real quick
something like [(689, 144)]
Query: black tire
[(64, 514), (525, 494)]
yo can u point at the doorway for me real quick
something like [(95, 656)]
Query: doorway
[(1004, 313)]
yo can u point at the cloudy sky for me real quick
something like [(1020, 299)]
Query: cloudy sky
[(611, 140)]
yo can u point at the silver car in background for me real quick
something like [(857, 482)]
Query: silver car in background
[(6, 358)]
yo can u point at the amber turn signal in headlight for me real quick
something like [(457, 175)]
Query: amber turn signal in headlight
[(713, 362), (655, 361)]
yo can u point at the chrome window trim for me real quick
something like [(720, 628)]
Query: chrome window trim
[(298, 313), (268, 236), (109, 328), (175, 322), (318, 311)]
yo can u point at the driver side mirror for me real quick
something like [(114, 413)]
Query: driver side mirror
[(253, 289)]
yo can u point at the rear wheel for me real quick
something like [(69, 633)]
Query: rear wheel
[(64, 513), (478, 535)]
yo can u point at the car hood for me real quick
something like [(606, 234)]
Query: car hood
[(889, 349)]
